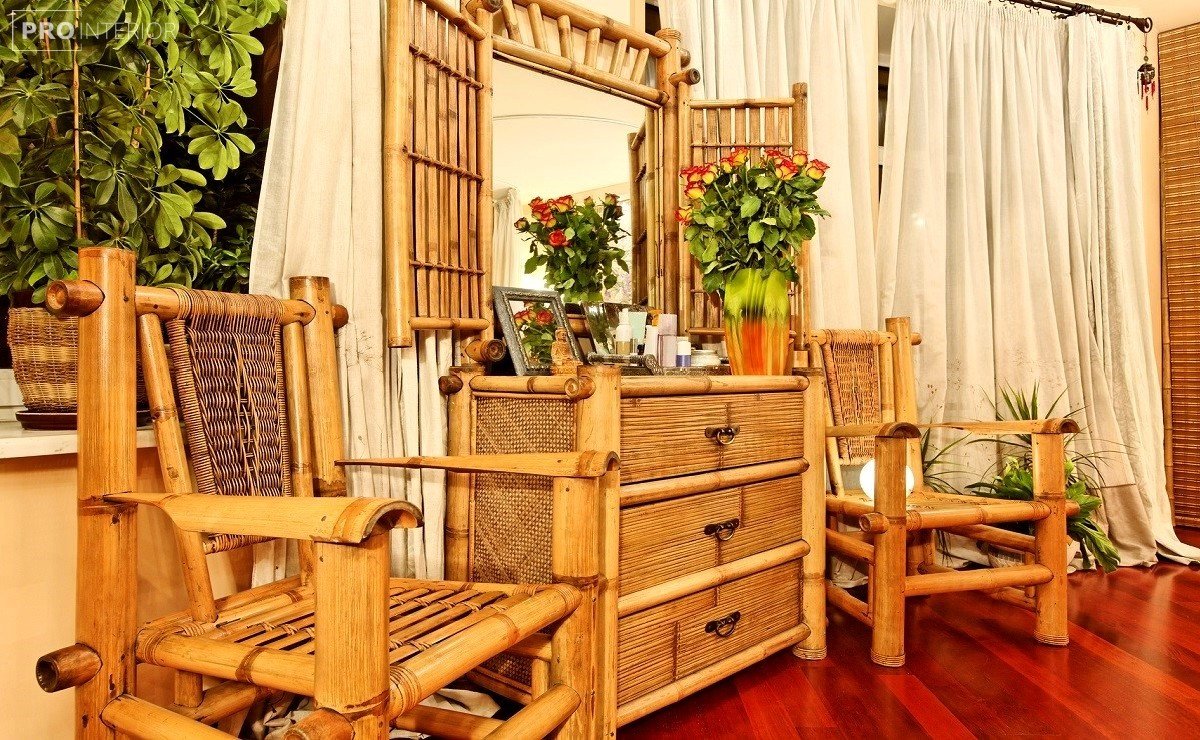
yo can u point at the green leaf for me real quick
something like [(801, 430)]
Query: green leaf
[(750, 206), (754, 234), (10, 172)]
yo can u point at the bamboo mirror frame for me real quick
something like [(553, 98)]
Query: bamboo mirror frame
[(437, 145)]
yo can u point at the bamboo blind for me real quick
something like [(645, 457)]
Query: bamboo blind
[(1179, 69), (713, 129)]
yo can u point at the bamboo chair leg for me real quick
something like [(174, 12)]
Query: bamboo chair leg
[(812, 518), (352, 633), (887, 582), (920, 550), (1050, 539)]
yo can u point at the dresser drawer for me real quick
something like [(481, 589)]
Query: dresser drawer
[(675, 435), (672, 640), (669, 539)]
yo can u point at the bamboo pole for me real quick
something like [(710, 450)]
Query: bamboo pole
[(458, 485), (710, 578), (669, 488), (573, 387), (976, 580), (483, 221), (173, 462), (595, 430), (667, 65), (887, 584), (802, 321), (351, 641), (856, 608), (584, 19), (653, 385), (995, 536), (326, 404), (397, 175), (843, 544), (67, 667), (543, 717), (106, 565), (446, 723), (560, 65), (812, 518), (1050, 538), (300, 425), (140, 719), (81, 297)]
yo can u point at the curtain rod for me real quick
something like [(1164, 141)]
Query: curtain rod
[(1064, 8)]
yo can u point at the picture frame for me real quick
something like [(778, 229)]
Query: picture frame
[(530, 336)]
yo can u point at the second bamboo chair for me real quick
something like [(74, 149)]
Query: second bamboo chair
[(246, 404), (872, 414)]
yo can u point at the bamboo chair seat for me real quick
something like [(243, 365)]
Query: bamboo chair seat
[(279, 620), (927, 501)]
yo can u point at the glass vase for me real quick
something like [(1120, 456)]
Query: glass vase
[(757, 323), (602, 320)]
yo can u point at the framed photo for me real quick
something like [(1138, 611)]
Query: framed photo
[(529, 319)]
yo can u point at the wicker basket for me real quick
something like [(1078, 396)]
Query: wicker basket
[(45, 351)]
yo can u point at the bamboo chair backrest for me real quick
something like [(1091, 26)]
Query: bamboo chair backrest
[(222, 411), (869, 380)]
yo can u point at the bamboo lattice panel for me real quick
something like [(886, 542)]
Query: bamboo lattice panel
[(448, 264), (1179, 67), (714, 128), (645, 182)]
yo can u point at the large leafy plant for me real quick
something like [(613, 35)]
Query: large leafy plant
[(743, 214), (576, 243), (86, 103), (1015, 479)]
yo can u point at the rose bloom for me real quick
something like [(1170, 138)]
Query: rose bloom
[(610, 199), (544, 317), (558, 238), (521, 317), (776, 156), (564, 203), (522, 224), (816, 169), (683, 215), (785, 169), (695, 192), (800, 158), (735, 159)]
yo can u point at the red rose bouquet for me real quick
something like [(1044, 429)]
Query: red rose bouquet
[(535, 327), (576, 243)]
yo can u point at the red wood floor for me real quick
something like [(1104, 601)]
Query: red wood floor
[(974, 670)]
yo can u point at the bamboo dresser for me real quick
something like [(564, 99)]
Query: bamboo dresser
[(712, 549)]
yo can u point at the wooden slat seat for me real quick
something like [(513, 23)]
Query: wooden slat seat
[(421, 615), (925, 504)]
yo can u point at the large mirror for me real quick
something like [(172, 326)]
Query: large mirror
[(552, 138)]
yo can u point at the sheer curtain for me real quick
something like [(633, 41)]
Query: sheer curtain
[(1008, 234), (508, 252), (320, 213), (758, 48)]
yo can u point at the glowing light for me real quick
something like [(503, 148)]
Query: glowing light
[(866, 480)]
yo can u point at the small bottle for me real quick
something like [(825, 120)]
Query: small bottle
[(683, 355), (651, 346), (624, 335)]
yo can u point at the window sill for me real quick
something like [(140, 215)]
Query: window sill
[(16, 442)]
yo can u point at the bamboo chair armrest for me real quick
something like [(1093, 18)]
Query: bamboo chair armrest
[(336, 519), (1034, 426), (896, 429), (589, 464)]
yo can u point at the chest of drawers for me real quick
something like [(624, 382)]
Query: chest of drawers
[(712, 536)]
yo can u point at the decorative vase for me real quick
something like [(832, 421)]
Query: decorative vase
[(757, 323), (602, 320)]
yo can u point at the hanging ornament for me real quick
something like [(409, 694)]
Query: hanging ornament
[(1146, 74)]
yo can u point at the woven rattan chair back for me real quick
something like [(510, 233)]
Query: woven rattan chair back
[(226, 390), (869, 379)]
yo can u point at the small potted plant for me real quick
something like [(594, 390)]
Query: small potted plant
[(746, 222), (576, 243)]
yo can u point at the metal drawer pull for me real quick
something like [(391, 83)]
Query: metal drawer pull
[(723, 530), (722, 435), (724, 626)]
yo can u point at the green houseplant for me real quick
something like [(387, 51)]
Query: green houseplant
[(1015, 478), (746, 223), (93, 94)]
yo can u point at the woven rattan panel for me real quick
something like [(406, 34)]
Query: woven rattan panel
[(511, 516), (851, 361), (1179, 69)]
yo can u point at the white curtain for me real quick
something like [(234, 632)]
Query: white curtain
[(1009, 229), (320, 213), (508, 252), (758, 48)]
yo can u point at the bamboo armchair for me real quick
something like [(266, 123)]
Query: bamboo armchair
[(253, 380), (872, 413)]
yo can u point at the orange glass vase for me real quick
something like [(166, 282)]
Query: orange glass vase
[(757, 323)]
